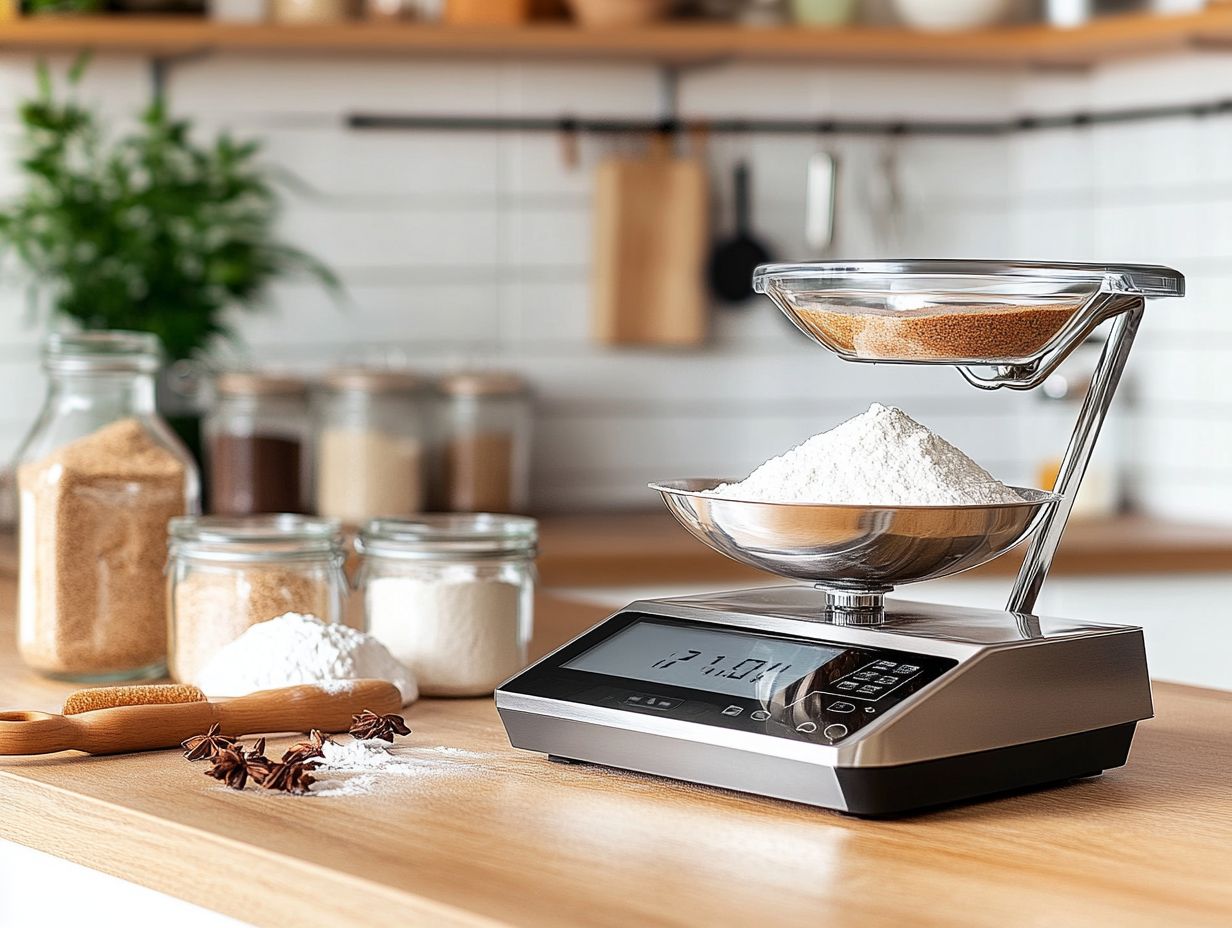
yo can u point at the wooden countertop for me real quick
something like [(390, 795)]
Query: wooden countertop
[(645, 548), (498, 837)]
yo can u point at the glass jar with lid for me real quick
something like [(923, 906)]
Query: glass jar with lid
[(226, 574), (451, 596), (98, 479), (485, 435), (255, 441), (372, 431)]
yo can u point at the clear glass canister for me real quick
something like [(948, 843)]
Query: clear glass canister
[(99, 477), (255, 441), (225, 575), (485, 436), (451, 596), (372, 431)]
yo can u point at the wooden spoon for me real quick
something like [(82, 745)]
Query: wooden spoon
[(143, 728)]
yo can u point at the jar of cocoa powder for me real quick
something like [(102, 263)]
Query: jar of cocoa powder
[(226, 574), (98, 478), (485, 434), (256, 438)]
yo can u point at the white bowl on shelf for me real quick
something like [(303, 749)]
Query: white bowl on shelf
[(951, 15)]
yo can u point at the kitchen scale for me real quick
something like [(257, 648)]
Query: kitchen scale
[(825, 692)]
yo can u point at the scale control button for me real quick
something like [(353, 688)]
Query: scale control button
[(846, 685), (733, 710), (651, 702), (759, 715), (865, 675), (807, 728), (840, 706), (869, 709), (884, 665), (887, 681), (869, 690), (906, 668), (835, 731)]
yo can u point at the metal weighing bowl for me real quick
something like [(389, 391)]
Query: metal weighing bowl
[(853, 548)]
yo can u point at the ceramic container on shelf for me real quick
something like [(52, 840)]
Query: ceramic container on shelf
[(616, 14), (951, 15), (823, 12), (310, 12)]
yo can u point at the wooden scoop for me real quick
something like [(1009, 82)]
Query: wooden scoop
[(143, 728)]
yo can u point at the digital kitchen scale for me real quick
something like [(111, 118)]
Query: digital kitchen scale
[(825, 693)]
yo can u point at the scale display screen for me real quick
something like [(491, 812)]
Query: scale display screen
[(728, 662)]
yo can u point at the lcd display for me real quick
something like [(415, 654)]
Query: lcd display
[(728, 662)]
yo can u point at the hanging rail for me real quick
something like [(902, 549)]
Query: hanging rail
[(615, 126)]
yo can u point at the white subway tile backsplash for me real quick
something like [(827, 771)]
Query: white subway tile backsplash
[(387, 164), (328, 88), (556, 238), (395, 236), (561, 88), (546, 313)]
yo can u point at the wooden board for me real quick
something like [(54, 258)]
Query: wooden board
[(497, 837), (650, 233), (1032, 45)]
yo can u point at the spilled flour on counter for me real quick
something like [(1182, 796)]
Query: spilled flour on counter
[(359, 768), (881, 457)]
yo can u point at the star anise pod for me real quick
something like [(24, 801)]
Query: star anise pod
[(258, 763), (230, 766), (303, 751), (368, 725), (207, 746), (290, 777)]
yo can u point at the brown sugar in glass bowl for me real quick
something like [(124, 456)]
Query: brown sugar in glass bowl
[(948, 332)]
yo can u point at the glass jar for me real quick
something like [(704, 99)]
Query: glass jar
[(98, 479), (452, 597), (485, 435), (255, 441), (372, 432), (225, 575)]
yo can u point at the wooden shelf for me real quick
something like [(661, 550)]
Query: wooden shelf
[(1011, 46)]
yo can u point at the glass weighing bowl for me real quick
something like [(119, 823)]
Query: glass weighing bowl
[(955, 312), (856, 553)]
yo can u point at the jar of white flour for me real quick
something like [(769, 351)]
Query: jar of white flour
[(451, 596)]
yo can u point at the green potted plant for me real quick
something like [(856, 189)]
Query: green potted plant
[(149, 230)]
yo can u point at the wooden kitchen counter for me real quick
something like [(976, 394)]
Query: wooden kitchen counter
[(498, 837)]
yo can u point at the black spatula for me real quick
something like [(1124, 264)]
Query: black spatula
[(732, 261)]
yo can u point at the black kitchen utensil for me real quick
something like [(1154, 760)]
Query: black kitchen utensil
[(732, 262)]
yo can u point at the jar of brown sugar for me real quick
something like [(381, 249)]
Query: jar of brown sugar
[(372, 433), (255, 441), (485, 435), (99, 477), (225, 575)]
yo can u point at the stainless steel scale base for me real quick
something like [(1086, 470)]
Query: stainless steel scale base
[(1004, 701)]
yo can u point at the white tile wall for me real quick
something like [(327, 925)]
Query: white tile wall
[(475, 248)]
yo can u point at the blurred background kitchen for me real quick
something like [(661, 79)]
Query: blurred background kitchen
[(501, 258)]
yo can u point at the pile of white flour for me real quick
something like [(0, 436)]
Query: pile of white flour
[(881, 457), (293, 649)]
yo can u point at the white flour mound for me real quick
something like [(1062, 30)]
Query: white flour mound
[(881, 457), (293, 649)]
